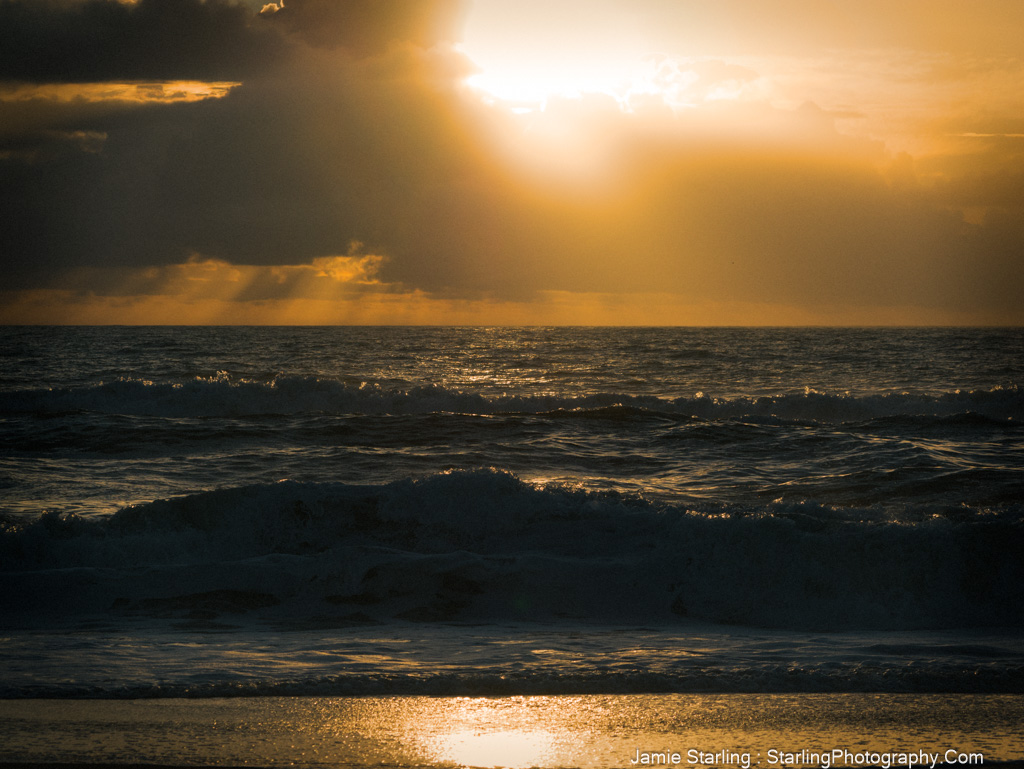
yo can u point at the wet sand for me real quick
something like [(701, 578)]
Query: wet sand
[(587, 731)]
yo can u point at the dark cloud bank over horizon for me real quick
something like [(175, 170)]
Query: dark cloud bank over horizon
[(350, 125), (65, 42)]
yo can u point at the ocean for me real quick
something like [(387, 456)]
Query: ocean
[(206, 516)]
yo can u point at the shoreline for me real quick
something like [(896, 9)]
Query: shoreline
[(769, 731)]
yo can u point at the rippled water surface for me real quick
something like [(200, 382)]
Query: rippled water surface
[(262, 487)]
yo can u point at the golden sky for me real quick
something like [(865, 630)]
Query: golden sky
[(496, 162)]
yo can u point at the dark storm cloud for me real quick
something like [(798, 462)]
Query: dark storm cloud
[(294, 165), (368, 26), (96, 40), (290, 166)]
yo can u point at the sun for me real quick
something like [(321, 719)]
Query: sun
[(533, 77), (573, 85), (529, 51)]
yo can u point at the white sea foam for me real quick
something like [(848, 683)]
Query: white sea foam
[(221, 396)]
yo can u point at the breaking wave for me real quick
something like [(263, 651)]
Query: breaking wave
[(485, 546), (224, 397)]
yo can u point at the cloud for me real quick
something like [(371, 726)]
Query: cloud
[(366, 27), (360, 129), (97, 40), (810, 28), (39, 121), (200, 278), (282, 169), (683, 82)]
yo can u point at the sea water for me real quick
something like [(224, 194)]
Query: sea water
[(225, 512)]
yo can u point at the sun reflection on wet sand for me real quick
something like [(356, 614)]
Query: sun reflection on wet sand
[(586, 731), (507, 732), (512, 749)]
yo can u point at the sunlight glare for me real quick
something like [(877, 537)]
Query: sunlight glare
[(529, 51), (531, 83), (510, 749), (531, 54)]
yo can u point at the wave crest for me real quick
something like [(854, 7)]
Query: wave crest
[(223, 397), (484, 545)]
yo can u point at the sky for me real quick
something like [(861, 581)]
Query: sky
[(652, 162)]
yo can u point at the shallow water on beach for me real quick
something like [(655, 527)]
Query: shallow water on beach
[(446, 659)]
